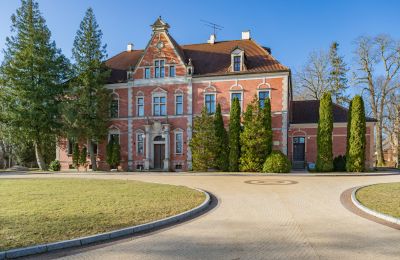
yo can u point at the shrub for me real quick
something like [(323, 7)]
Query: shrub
[(82, 158), (222, 149), (277, 162), (339, 163), (55, 166), (75, 156), (234, 136)]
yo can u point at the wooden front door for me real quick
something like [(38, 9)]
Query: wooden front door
[(299, 152), (159, 156)]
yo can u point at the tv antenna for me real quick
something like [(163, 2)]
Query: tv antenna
[(212, 25)]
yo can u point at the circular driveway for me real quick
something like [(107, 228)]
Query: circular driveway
[(259, 217)]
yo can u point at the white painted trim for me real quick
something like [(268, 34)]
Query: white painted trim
[(247, 76), (285, 111), (315, 125)]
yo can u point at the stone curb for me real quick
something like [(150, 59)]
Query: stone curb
[(19, 252), (370, 211)]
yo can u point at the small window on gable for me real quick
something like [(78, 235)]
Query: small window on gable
[(172, 71), (159, 69), (146, 73), (237, 63)]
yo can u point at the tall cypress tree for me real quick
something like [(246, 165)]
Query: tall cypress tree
[(268, 125), (357, 141), (348, 129), (31, 78), (338, 75), (234, 136), (254, 147), (222, 159), (88, 110), (324, 136)]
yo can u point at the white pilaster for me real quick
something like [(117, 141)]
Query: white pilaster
[(189, 123), (285, 103), (167, 146), (130, 147), (147, 141)]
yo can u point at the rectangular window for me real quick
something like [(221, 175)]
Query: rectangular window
[(70, 147), (237, 95), (178, 143), (140, 144), (159, 69), (237, 63), (114, 108), (210, 103), (114, 138), (146, 73), (262, 96), (94, 144), (159, 106), (140, 106), (172, 71), (179, 105)]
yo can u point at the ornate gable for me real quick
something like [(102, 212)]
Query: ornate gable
[(161, 47)]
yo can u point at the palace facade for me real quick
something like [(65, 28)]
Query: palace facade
[(157, 92)]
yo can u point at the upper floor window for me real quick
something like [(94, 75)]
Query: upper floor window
[(262, 96), (209, 101), (237, 63), (172, 71), (114, 110), (179, 105), (146, 73), (140, 106), (159, 69), (159, 106), (140, 143)]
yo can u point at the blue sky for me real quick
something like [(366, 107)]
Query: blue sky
[(291, 28)]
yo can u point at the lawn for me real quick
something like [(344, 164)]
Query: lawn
[(36, 211), (384, 198)]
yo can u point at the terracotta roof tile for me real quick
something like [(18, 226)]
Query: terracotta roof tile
[(208, 59)]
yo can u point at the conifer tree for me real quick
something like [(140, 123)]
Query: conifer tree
[(234, 136), (87, 111), (31, 78), (348, 129), (268, 125), (254, 147), (82, 158), (222, 158), (357, 142), (204, 142), (337, 75), (324, 136)]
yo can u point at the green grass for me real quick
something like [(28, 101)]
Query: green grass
[(36, 211), (384, 198)]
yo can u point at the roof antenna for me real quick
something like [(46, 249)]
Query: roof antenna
[(212, 25)]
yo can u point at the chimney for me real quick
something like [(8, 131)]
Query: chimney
[(129, 47), (213, 39), (246, 35)]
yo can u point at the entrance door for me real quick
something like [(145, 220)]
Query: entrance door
[(159, 156), (299, 152)]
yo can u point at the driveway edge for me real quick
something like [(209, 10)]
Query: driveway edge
[(369, 211), (38, 249)]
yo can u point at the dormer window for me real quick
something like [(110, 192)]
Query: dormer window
[(237, 63), (159, 69)]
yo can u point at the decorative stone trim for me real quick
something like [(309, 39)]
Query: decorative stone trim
[(370, 211), (38, 249)]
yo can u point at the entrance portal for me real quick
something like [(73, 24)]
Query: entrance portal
[(299, 152)]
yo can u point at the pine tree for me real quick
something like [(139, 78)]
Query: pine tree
[(254, 147), (324, 136), (268, 125), (337, 75), (82, 158), (76, 156), (357, 141), (234, 136), (204, 142), (222, 159), (88, 109), (31, 78), (348, 133)]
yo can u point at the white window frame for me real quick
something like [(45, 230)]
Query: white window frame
[(137, 106), (159, 95), (235, 53), (144, 72), (137, 142), (233, 63), (169, 70), (175, 142), (178, 95), (215, 101), (264, 90), (114, 94)]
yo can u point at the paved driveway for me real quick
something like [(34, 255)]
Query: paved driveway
[(298, 218)]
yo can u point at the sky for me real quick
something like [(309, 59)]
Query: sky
[(292, 29)]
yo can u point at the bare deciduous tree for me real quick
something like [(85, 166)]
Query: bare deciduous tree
[(391, 125), (378, 60)]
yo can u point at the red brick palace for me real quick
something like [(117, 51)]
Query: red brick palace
[(157, 92)]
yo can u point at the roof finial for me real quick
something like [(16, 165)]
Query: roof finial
[(160, 25)]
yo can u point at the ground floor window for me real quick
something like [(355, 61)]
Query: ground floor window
[(209, 101), (178, 143), (140, 143), (262, 96)]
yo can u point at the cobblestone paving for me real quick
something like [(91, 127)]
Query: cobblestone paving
[(271, 217)]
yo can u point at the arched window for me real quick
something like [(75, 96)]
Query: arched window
[(114, 110)]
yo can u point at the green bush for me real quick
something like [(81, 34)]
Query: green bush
[(277, 162), (55, 166), (339, 163)]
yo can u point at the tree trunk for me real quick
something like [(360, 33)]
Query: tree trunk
[(92, 156), (378, 146), (39, 157)]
